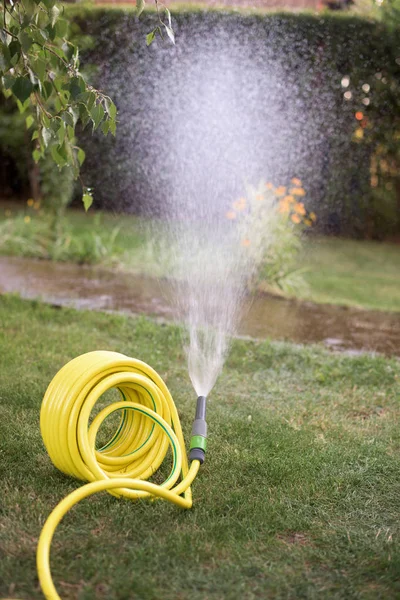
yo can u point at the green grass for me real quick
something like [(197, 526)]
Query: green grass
[(351, 272), (298, 498)]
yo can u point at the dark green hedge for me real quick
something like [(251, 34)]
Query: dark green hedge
[(286, 71), (309, 133)]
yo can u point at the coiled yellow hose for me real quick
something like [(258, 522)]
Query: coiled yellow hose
[(149, 425)]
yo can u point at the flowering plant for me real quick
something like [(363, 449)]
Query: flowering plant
[(270, 221)]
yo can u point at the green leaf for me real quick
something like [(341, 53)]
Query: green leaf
[(140, 4), (29, 121), (35, 135), (8, 81), (61, 28), (22, 89), (87, 200), (51, 32), (81, 156), (60, 53), (84, 114), (40, 36), (25, 40), (74, 112), (168, 13), (113, 127), (5, 58), (87, 99), (77, 87), (105, 127), (68, 119), (55, 11), (22, 106), (75, 57), (97, 114), (39, 67), (15, 51), (47, 90), (37, 155), (150, 37), (61, 132), (49, 3), (57, 157), (170, 33), (111, 108)]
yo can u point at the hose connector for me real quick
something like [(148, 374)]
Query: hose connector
[(198, 442)]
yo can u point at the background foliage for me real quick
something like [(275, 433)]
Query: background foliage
[(39, 69), (352, 179)]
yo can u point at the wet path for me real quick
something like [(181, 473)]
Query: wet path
[(100, 289)]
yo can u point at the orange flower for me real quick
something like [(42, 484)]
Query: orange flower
[(239, 204), (280, 191), (269, 186), (359, 133), (259, 197), (30, 202), (299, 208), (297, 191), (245, 243), (313, 216), (296, 181), (308, 222), (283, 207), (295, 218), (231, 215), (288, 198), (359, 115)]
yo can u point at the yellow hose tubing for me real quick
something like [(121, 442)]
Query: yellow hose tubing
[(149, 425)]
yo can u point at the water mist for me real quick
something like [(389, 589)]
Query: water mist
[(211, 139)]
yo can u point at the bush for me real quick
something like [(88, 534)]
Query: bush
[(270, 222)]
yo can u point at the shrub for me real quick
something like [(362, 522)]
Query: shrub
[(271, 220)]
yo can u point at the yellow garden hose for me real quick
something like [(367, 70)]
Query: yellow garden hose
[(149, 424)]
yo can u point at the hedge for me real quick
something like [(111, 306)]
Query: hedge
[(242, 96)]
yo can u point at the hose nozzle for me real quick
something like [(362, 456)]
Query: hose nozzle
[(198, 442)]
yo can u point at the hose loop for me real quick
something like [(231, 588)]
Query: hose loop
[(149, 424)]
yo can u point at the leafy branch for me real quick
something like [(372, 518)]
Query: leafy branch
[(39, 67)]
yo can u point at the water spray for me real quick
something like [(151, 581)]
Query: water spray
[(149, 425)]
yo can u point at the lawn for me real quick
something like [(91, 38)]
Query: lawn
[(352, 272), (298, 498)]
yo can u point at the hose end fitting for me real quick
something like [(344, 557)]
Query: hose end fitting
[(198, 443)]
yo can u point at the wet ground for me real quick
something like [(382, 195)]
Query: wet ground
[(99, 289)]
